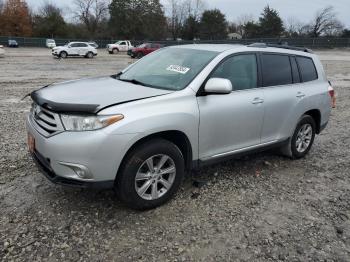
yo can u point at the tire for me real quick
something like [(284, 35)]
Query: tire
[(110, 52), (303, 137), (149, 191), (63, 55), (115, 51), (139, 55), (89, 55)]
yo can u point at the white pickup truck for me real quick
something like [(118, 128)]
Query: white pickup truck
[(120, 46)]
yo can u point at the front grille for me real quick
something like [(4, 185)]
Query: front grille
[(46, 122)]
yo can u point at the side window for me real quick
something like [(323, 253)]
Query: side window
[(276, 70), (307, 69), (122, 43), (74, 45), (295, 71), (241, 70), (83, 45)]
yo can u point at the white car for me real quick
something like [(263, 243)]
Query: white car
[(75, 49), (120, 46), (2, 51), (50, 43)]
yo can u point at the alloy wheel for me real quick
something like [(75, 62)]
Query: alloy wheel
[(304, 138), (155, 177)]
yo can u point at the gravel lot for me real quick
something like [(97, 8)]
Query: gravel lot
[(261, 207)]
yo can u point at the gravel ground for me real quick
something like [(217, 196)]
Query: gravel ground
[(261, 207)]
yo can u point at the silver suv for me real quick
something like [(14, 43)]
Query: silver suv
[(175, 110)]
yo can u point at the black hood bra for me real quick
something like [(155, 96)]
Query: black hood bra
[(91, 95)]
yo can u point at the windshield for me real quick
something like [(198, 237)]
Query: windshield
[(169, 68), (50, 41)]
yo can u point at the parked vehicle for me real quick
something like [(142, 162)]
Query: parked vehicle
[(12, 43), (175, 110), (75, 49), (93, 44), (120, 46), (50, 43), (143, 50), (2, 51)]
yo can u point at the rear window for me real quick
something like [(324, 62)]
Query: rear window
[(307, 69), (276, 70)]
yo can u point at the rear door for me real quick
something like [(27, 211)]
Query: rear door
[(232, 121), (83, 49), (280, 81)]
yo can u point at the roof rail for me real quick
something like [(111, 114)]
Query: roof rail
[(282, 45)]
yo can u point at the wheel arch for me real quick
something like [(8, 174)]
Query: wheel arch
[(177, 137), (316, 115)]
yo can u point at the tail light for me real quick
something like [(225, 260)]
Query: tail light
[(331, 93)]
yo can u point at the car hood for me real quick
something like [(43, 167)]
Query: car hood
[(91, 95)]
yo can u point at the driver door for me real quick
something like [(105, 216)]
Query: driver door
[(74, 49), (123, 47), (232, 122)]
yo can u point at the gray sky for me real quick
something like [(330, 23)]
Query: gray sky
[(302, 10)]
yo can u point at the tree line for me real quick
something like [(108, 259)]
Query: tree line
[(150, 20)]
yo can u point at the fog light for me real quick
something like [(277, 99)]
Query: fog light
[(80, 170)]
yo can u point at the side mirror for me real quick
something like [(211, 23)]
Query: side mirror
[(218, 86)]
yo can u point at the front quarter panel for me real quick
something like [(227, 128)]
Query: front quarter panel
[(177, 111)]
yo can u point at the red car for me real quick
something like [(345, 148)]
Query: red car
[(143, 50)]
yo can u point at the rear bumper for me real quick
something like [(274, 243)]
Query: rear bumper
[(323, 126), (44, 166)]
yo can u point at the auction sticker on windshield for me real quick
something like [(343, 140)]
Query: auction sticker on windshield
[(178, 69)]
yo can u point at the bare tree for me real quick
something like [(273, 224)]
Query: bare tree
[(91, 13), (325, 22), (178, 11), (241, 23), (194, 8), (294, 27)]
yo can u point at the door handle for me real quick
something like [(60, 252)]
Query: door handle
[(257, 100), (300, 95)]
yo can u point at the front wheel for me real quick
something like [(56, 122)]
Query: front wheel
[(63, 54), (90, 55), (150, 175), (115, 51)]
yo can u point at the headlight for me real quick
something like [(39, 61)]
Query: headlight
[(88, 123)]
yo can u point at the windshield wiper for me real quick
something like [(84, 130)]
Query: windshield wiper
[(134, 81)]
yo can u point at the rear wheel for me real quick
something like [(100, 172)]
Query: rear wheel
[(301, 141), (63, 54), (90, 55), (150, 175)]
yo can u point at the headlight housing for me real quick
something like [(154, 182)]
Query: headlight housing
[(88, 123)]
